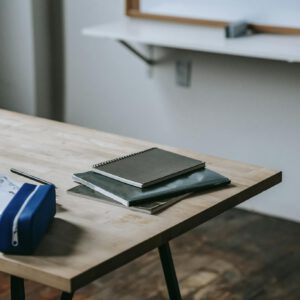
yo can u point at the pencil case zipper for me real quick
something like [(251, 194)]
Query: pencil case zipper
[(15, 233)]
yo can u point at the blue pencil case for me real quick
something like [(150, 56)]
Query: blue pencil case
[(26, 218)]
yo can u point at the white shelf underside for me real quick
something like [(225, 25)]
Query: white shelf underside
[(199, 38)]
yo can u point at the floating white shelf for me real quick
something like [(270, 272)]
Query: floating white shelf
[(199, 38)]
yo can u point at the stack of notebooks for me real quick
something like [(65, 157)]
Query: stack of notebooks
[(146, 181)]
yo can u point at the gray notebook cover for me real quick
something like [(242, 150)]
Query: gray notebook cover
[(129, 195), (147, 167)]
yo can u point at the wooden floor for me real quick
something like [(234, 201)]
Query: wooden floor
[(239, 255)]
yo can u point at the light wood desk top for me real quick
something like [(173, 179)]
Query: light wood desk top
[(88, 238)]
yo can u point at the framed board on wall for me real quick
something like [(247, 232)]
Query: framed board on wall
[(270, 16)]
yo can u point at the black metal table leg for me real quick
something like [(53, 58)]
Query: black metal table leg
[(169, 271), (17, 291), (66, 296)]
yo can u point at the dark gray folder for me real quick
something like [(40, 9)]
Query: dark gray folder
[(148, 167), (149, 207), (129, 195)]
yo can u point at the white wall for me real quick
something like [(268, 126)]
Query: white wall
[(16, 56), (25, 57), (238, 108)]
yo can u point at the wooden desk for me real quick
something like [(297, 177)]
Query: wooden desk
[(89, 239)]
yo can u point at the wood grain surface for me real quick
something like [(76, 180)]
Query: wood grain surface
[(89, 239)]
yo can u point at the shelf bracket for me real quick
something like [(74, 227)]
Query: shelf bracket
[(147, 60)]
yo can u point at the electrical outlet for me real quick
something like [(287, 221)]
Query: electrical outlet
[(183, 72)]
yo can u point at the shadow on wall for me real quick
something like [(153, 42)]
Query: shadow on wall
[(48, 27)]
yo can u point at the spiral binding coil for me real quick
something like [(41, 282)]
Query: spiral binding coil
[(119, 158)]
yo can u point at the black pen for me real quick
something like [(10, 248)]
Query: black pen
[(34, 178)]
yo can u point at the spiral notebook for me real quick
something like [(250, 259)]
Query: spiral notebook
[(147, 167)]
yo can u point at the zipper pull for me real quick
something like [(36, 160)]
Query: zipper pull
[(15, 238)]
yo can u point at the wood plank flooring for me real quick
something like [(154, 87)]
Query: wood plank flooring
[(237, 256)]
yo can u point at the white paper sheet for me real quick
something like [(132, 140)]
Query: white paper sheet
[(8, 188)]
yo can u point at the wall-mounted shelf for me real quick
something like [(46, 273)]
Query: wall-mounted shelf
[(199, 38)]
